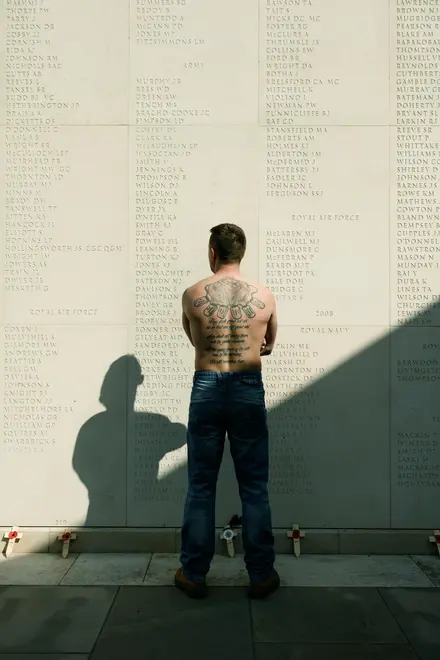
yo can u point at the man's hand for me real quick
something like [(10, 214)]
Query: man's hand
[(265, 349)]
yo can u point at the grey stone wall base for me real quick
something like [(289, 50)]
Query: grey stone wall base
[(167, 540)]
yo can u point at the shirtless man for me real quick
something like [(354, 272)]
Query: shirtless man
[(231, 322)]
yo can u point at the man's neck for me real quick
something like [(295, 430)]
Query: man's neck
[(233, 270)]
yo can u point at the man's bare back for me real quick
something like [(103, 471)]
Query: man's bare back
[(231, 322)]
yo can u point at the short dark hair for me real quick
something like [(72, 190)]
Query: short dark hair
[(228, 242)]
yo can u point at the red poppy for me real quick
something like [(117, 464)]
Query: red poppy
[(66, 536), (296, 534), (12, 535)]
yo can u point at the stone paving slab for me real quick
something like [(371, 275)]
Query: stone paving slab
[(333, 652), (43, 656), (350, 571), (325, 615), (165, 623), (301, 623), (430, 565), (34, 569), (309, 570), (108, 569), (306, 571), (418, 613), (52, 619)]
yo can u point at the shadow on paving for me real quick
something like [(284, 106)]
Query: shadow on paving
[(294, 624)]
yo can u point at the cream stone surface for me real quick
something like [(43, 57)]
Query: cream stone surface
[(307, 571), (415, 226), (333, 85), (34, 569), (108, 569), (129, 129), (61, 447), (87, 85), (194, 62), (413, 69), (171, 168), (326, 219), (66, 252), (159, 570)]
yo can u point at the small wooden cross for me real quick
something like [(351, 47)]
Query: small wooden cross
[(228, 535), (436, 539), (11, 537), (66, 537), (296, 535)]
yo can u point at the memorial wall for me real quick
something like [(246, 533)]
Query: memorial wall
[(130, 128)]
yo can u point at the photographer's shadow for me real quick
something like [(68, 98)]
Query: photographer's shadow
[(121, 457)]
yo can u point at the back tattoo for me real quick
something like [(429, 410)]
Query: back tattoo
[(228, 339)]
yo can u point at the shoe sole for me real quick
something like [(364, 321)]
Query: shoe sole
[(190, 592), (259, 595)]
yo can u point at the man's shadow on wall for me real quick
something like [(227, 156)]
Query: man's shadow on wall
[(121, 456)]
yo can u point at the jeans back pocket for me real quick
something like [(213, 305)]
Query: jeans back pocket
[(204, 390)]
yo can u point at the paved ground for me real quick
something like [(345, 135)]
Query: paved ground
[(97, 607)]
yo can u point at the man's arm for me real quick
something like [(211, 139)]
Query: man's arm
[(185, 320), (271, 332)]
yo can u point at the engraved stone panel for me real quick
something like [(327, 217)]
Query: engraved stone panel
[(63, 434), (194, 62), (324, 205), (327, 389), (415, 426), (414, 66), (65, 228), (324, 62), (414, 268), (66, 63), (415, 226), (415, 139), (185, 180)]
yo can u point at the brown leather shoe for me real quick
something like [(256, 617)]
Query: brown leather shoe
[(192, 589), (266, 587)]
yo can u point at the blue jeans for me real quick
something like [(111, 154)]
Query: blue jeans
[(229, 403)]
